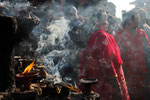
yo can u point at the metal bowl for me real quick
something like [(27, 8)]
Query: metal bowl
[(89, 81)]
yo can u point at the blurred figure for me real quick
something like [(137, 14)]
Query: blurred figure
[(146, 29), (114, 25), (101, 59), (76, 26), (130, 40), (71, 14)]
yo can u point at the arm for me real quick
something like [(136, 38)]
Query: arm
[(121, 81)]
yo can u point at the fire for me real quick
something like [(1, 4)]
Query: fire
[(28, 68), (73, 88)]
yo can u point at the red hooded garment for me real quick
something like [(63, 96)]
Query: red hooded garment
[(101, 59), (132, 51)]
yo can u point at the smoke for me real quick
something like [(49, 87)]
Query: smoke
[(59, 30), (58, 36), (15, 8), (53, 39)]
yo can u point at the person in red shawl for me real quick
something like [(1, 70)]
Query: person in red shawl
[(101, 59), (130, 40)]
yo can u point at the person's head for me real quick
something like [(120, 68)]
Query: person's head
[(142, 14), (71, 12), (114, 24), (132, 21), (101, 20)]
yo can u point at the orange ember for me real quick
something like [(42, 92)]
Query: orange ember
[(73, 88), (28, 68)]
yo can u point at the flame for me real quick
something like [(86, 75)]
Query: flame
[(73, 88), (28, 68)]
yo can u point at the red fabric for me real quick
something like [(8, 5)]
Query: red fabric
[(134, 62), (140, 32), (101, 59)]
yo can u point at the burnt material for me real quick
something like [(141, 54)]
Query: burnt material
[(26, 95), (25, 26), (5, 96), (80, 96), (51, 92), (26, 79)]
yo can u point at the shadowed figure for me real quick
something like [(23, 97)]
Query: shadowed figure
[(130, 40)]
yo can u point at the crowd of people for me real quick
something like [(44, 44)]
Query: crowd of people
[(117, 55)]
